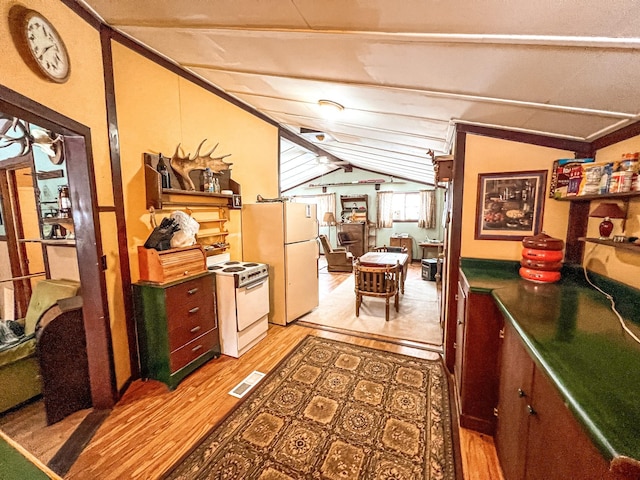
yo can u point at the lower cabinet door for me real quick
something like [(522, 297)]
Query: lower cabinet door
[(513, 418), (558, 447)]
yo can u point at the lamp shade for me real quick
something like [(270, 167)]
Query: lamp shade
[(611, 210), (329, 218)]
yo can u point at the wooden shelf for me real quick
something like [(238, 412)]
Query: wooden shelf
[(207, 233), (63, 242), (158, 197), (610, 243), (66, 222), (210, 251), (211, 220), (604, 196)]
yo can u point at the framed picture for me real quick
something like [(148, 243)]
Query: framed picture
[(510, 205)]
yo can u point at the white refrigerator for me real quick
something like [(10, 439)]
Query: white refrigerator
[(284, 236)]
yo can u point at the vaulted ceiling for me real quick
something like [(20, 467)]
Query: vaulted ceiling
[(406, 72)]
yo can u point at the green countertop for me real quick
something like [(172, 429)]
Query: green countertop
[(574, 336)]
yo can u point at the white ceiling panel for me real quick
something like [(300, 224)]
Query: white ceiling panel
[(405, 72)]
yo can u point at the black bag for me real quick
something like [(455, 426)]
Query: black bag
[(160, 238)]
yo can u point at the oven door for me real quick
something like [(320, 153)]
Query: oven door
[(252, 302)]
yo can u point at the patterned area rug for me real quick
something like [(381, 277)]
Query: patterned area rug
[(332, 410)]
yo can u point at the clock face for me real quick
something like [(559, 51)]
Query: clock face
[(46, 47)]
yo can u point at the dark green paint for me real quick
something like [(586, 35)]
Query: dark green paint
[(15, 466), (153, 336)]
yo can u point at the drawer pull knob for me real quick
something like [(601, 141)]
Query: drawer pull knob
[(192, 291), (195, 329), (186, 272), (196, 348), (194, 309), (521, 393), (531, 410)]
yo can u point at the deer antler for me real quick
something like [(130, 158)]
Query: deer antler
[(24, 140)]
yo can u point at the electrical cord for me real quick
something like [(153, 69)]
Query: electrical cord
[(610, 298)]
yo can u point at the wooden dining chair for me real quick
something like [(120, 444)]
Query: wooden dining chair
[(381, 282), (385, 248)]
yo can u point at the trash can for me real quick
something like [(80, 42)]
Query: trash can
[(429, 269)]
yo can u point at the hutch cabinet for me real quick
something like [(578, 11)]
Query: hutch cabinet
[(354, 208), (177, 327)]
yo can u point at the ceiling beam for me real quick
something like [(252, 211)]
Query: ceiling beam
[(542, 41), (303, 142)]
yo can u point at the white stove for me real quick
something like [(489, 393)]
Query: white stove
[(242, 298), (243, 272)]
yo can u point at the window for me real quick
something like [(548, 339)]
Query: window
[(406, 207)]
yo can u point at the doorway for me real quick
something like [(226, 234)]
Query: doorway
[(71, 244)]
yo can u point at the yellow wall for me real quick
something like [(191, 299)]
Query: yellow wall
[(490, 155), (157, 110), (82, 99), (621, 265)]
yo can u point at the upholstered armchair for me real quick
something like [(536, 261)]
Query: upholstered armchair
[(19, 368), (338, 259)]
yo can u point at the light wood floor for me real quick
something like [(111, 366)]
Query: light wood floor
[(151, 428)]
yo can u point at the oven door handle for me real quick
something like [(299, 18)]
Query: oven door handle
[(257, 283)]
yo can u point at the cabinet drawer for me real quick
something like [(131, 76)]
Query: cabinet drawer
[(192, 350), (191, 324), (186, 299)]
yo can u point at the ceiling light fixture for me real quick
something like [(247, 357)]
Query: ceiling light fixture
[(330, 108)]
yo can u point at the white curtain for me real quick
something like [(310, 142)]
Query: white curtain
[(326, 203), (385, 210), (427, 209)]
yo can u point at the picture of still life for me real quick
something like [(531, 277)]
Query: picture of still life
[(510, 205)]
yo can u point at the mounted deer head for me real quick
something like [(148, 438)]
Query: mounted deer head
[(50, 143)]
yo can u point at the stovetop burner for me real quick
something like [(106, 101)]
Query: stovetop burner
[(233, 269), (214, 267), (233, 262), (250, 264)]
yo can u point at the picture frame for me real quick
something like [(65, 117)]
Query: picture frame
[(510, 205)]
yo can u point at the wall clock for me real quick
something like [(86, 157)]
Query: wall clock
[(40, 44)]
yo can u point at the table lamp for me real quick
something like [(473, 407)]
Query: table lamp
[(330, 219), (607, 211)]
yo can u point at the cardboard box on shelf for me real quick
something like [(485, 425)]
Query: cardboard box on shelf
[(561, 176)]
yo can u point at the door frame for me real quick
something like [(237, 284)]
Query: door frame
[(82, 190)]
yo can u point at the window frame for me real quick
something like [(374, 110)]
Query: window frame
[(404, 194)]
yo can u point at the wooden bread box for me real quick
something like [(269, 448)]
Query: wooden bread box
[(170, 265)]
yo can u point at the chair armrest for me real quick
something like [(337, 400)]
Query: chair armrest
[(339, 249)]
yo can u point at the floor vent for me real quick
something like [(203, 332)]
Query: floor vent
[(247, 384)]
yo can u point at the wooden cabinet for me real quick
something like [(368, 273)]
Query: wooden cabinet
[(177, 327), (477, 346), (537, 437), (358, 234), (355, 208), (406, 242)]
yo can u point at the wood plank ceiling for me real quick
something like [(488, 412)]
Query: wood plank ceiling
[(405, 72)]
